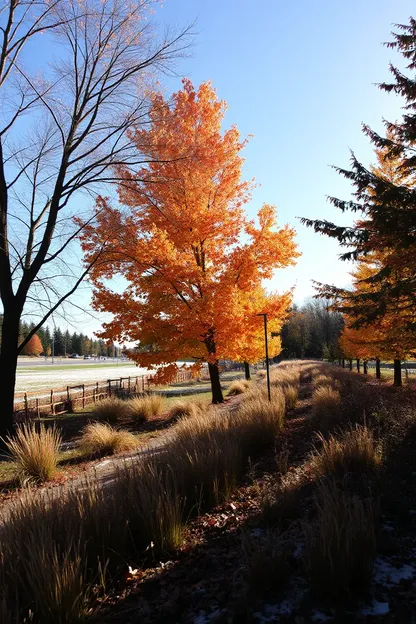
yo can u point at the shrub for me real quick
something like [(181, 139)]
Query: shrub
[(340, 544), (35, 451), (102, 439), (239, 386), (326, 406), (352, 452), (142, 408), (110, 410)]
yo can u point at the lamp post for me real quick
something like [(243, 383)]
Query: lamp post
[(267, 354)]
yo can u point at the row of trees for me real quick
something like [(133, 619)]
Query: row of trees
[(59, 343), (46, 342), (380, 308), (312, 331)]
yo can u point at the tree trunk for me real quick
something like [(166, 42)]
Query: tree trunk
[(365, 367), (8, 364), (358, 365), (343, 363), (350, 365), (247, 371), (214, 375), (397, 373), (378, 368)]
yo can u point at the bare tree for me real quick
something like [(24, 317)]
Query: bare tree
[(63, 132)]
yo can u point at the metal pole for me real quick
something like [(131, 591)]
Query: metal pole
[(267, 357)]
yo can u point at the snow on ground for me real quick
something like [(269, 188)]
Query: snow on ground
[(43, 378), (387, 575)]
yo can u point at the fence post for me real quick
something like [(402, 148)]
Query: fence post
[(83, 396), (37, 408), (109, 387), (52, 405), (143, 382), (26, 406), (129, 384)]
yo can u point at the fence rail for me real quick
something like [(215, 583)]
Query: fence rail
[(70, 398)]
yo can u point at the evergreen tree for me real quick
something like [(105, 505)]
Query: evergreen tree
[(386, 205)]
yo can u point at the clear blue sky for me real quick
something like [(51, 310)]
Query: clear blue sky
[(299, 76)]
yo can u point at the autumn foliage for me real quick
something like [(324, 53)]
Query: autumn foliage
[(192, 260), (34, 346)]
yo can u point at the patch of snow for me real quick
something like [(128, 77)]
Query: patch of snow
[(386, 574), (318, 616), (257, 532), (271, 612), (298, 551), (104, 463), (376, 608)]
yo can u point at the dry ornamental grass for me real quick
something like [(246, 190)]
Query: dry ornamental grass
[(102, 439), (340, 544), (352, 452), (326, 406), (145, 407), (35, 451), (110, 410), (239, 386)]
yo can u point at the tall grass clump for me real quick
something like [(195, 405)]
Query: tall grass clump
[(35, 451), (352, 452), (186, 409), (258, 420), (101, 439), (145, 407), (326, 406), (323, 380), (291, 393), (340, 544), (152, 502), (207, 459), (110, 410), (239, 386)]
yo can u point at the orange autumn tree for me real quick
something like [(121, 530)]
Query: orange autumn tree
[(34, 346), (192, 260)]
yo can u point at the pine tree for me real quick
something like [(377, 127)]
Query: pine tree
[(385, 199)]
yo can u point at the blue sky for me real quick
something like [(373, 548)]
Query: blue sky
[(300, 76)]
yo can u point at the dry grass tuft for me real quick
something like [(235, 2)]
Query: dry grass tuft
[(323, 380), (261, 373), (102, 439), (110, 410), (353, 452), (340, 544), (291, 393), (35, 451), (326, 406), (186, 409), (239, 386), (145, 407), (258, 421)]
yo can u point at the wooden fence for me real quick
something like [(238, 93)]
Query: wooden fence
[(71, 398)]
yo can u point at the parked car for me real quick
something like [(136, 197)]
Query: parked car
[(74, 356), (87, 357)]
